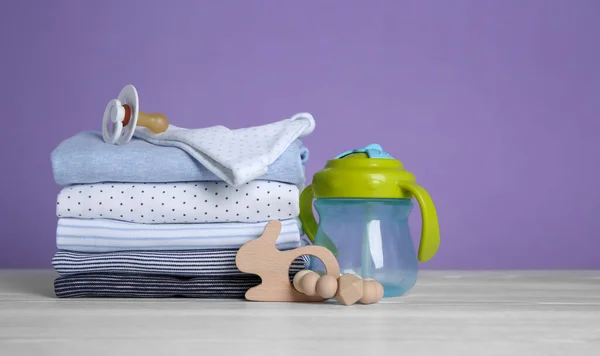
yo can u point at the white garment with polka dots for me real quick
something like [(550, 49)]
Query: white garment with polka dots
[(236, 156), (196, 202)]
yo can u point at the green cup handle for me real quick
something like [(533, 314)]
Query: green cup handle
[(430, 231), (309, 224)]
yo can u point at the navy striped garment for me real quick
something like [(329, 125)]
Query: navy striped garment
[(188, 263), (133, 286)]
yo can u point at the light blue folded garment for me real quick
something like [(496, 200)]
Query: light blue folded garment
[(105, 235), (85, 158)]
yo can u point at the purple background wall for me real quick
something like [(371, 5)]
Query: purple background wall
[(494, 105)]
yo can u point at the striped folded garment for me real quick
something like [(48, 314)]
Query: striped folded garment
[(191, 263), (140, 286), (106, 258), (104, 235)]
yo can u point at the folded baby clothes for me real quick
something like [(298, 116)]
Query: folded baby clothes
[(104, 235), (141, 286), (85, 158), (198, 202), (165, 214), (235, 156), (192, 263)]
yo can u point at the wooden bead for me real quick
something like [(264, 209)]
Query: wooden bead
[(372, 291), (308, 283), (380, 290), (298, 278), (327, 286), (350, 289)]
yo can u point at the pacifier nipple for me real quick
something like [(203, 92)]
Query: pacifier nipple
[(155, 122)]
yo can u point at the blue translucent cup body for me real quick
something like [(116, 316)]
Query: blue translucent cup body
[(370, 238)]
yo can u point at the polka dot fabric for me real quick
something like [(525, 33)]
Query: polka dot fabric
[(200, 202), (235, 156)]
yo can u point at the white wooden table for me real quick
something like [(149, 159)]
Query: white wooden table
[(447, 313)]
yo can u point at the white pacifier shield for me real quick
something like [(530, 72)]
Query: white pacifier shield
[(129, 96), (115, 114)]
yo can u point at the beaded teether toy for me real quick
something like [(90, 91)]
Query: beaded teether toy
[(347, 289), (123, 113), (261, 257)]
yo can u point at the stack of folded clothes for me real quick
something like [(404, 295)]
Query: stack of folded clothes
[(144, 220)]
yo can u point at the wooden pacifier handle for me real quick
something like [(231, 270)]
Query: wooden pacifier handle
[(155, 122)]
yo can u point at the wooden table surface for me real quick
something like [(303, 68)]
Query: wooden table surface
[(447, 313)]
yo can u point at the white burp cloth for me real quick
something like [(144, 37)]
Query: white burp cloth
[(236, 156)]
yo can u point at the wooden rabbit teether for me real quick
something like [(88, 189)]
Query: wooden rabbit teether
[(261, 257)]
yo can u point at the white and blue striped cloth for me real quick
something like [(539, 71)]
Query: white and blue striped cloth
[(103, 235), (193, 263)]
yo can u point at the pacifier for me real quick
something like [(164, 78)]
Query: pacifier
[(124, 115)]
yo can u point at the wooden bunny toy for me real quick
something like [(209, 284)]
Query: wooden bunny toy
[(261, 257)]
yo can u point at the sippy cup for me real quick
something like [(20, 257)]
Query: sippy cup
[(364, 199)]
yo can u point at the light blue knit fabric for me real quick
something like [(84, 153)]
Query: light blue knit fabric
[(85, 158)]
